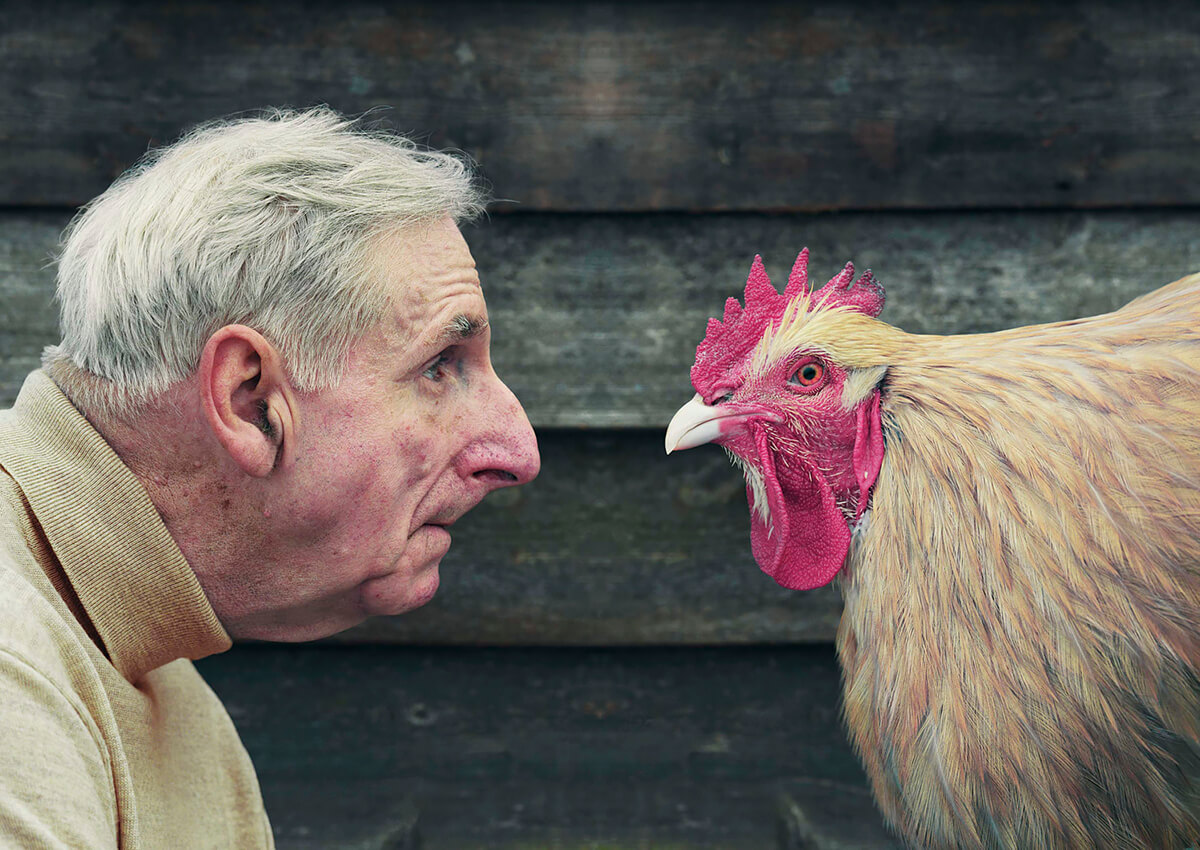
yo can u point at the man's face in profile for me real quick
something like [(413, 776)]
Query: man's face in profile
[(418, 431)]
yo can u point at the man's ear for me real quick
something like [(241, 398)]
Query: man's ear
[(247, 398)]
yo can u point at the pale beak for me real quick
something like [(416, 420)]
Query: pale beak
[(697, 423)]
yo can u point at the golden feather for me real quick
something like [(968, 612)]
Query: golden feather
[(1019, 641)]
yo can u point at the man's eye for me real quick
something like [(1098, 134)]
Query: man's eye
[(436, 370)]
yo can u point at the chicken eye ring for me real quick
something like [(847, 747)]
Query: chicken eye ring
[(808, 375)]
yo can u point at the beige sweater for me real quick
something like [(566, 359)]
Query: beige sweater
[(108, 735)]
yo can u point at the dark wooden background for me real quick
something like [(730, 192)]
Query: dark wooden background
[(605, 666)]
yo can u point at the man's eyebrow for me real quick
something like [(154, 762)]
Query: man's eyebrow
[(462, 327)]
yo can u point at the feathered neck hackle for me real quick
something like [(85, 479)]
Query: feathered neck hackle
[(1019, 641)]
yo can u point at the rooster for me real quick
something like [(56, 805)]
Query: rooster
[(1014, 519)]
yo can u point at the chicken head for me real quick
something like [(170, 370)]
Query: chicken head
[(804, 427)]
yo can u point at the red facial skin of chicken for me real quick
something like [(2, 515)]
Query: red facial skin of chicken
[(817, 460), (817, 466)]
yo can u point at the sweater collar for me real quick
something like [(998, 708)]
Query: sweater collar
[(135, 585)]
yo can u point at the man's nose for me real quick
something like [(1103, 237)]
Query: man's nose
[(504, 451)]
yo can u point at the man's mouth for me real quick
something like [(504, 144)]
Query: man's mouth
[(445, 518), (439, 527)]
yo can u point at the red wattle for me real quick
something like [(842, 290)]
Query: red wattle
[(809, 539)]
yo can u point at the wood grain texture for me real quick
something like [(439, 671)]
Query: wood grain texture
[(28, 314), (738, 749), (597, 318), (642, 106)]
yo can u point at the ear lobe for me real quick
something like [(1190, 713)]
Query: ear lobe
[(868, 449), (246, 398)]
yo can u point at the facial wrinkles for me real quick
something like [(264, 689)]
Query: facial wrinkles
[(461, 319), (423, 327), (459, 274), (426, 439), (437, 409), (395, 402), (374, 456), (425, 266), (828, 431)]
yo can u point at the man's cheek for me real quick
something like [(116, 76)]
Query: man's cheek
[(413, 453)]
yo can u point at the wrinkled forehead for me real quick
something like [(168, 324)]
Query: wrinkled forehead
[(419, 255), (428, 277)]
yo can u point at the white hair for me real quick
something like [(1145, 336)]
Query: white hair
[(261, 221)]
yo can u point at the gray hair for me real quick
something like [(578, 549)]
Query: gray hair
[(265, 222)]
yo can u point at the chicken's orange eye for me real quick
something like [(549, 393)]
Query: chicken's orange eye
[(809, 375)]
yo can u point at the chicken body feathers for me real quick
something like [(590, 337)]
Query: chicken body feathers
[(1019, 640)]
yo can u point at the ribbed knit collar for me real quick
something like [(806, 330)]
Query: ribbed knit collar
[(135, 585)]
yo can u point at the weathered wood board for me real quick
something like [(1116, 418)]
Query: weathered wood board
[(600, 106), (597, 318), (376, 747)]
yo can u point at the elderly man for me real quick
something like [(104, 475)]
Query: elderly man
[(272, 398)]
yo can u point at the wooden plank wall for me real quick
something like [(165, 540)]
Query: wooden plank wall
[(996, 163)]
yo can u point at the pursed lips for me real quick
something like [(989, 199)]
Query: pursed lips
[(446, 517)]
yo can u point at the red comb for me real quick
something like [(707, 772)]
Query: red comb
[(727, 342), (864, 295)]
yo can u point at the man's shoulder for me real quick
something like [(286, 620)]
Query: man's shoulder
[(34, 630), (35, 624)]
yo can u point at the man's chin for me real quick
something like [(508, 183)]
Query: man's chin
[(398, 593), (424, 589), (413, 577)]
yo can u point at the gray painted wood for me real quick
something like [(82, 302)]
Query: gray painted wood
[(643, 106), (507, 749), (596, 318), (28, 314)]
